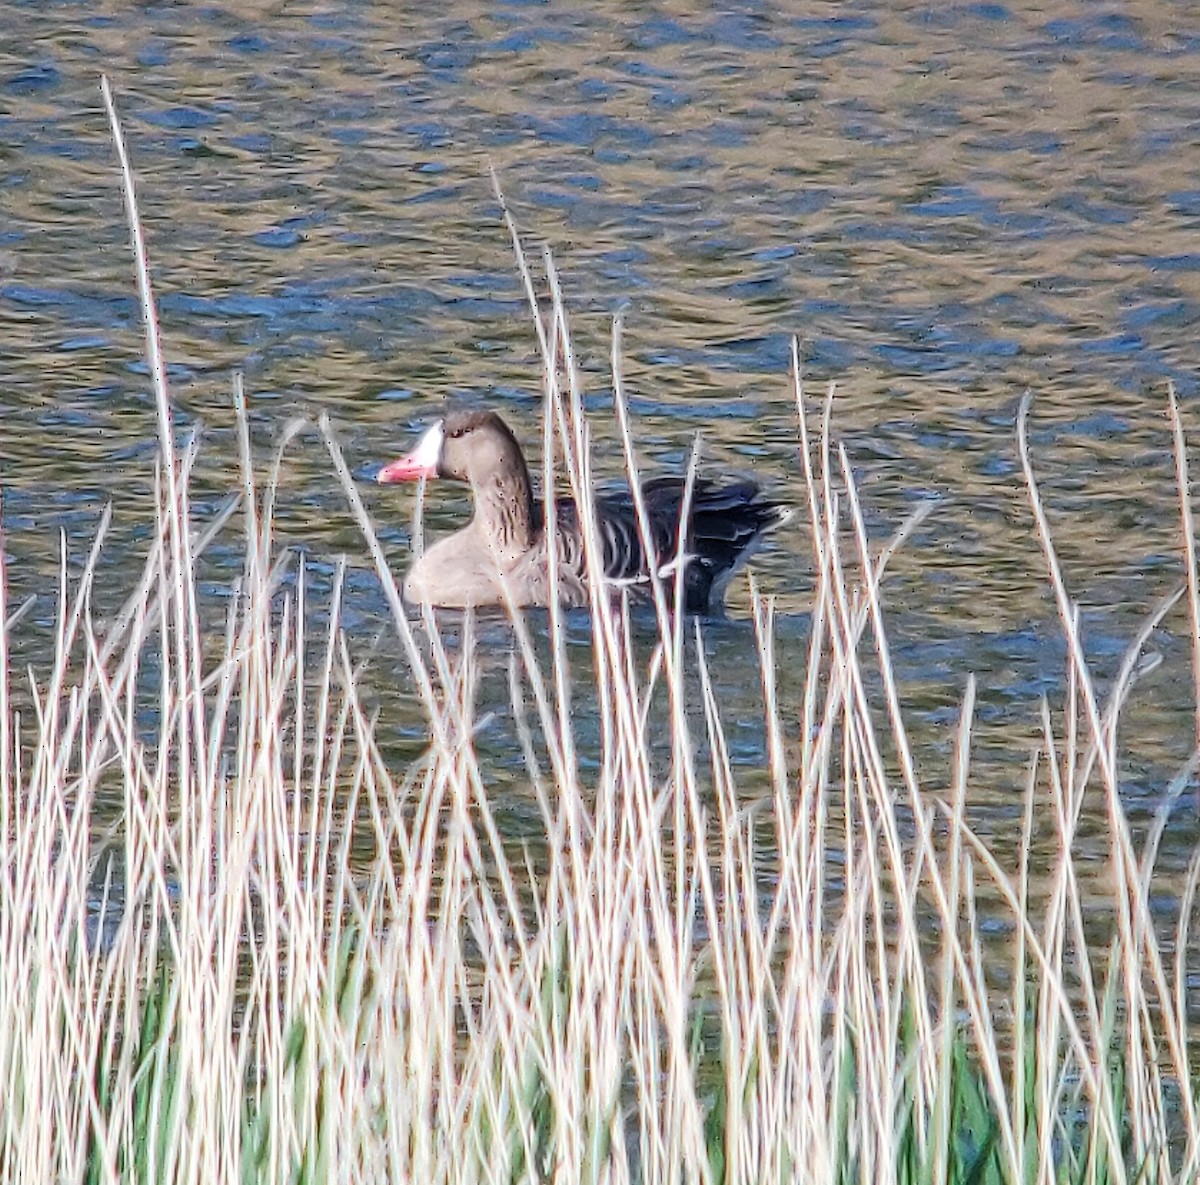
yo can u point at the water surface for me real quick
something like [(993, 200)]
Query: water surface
[(949, 205)]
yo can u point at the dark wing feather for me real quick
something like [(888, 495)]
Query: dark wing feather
[(725, 523)]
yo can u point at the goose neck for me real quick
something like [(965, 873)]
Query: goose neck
[(504, 509)]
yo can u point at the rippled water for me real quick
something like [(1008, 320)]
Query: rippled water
[(948, 204)]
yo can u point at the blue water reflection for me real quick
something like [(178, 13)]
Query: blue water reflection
[(947, 206)]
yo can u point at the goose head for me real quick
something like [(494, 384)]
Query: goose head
[(476, 447)]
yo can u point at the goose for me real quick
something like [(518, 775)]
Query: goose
[(505, 543)]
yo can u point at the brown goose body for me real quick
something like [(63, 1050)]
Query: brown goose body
[(506, 544)]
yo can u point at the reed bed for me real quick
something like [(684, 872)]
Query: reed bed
[(693, 988)]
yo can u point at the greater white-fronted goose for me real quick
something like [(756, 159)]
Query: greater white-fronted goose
[(506, 535)]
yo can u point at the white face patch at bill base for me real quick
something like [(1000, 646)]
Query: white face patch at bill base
[(421, 463), (429, 448)]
